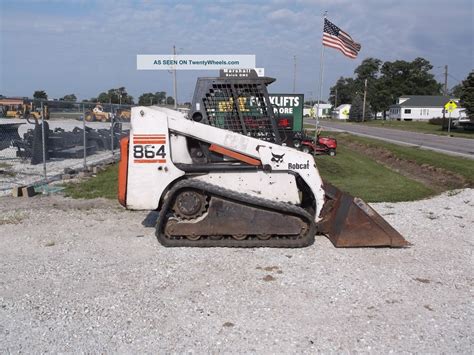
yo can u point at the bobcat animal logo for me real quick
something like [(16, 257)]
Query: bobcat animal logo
[(277, 158)]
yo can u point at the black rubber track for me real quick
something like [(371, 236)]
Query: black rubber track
[(274, 242)]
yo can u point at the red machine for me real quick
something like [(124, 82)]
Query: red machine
[(323, 145)]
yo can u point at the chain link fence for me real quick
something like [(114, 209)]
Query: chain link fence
[(40, 140)]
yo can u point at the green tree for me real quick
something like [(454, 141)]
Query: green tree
[(345, 88), (70, 97), (169, 100), (158, 98), (369, 70), (103, 97), (40, 94), (355, 113), (386, 82), (409, 78), (467, 96), (116, 96), (147, 99), (457, 90)]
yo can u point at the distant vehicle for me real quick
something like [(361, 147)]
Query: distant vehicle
[(98, 114), (22, 108), (465, 122), (123, 114)]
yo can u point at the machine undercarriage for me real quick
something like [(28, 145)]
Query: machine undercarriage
[(201, 214)]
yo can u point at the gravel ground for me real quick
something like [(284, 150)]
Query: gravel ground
[(86, 276)]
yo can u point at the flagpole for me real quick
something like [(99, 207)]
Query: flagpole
[(321, 70)]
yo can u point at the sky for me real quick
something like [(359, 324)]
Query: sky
[(86, 47)]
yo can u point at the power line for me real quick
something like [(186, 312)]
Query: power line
[(459, 81)]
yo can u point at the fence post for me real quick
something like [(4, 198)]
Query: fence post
[(112, 133), (84, 135), (43, 140)]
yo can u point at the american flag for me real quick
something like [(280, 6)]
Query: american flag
[(334, 37)]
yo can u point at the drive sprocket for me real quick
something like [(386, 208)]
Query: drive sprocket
[(190, 204)]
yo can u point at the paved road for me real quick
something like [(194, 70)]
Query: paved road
[(449, 145)]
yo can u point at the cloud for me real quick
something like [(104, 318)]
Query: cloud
[(284, 15), (88, 47)]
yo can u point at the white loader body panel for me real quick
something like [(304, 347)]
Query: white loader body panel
[(157, 142), (257, 183)]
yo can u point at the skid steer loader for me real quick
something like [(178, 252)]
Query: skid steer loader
[(223, 179)]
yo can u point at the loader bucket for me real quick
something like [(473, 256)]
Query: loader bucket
[(349, 222)]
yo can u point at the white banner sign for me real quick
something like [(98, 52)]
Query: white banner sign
[(194, 62)]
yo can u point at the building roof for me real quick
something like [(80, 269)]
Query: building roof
[(342, 106), (425, 101), (11, 101)]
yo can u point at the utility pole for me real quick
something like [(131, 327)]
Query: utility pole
[(294, 75), (445, 93), (335, 99), (365, 96), (175, 85), (446, 80)]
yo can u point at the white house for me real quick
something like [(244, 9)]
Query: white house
[(341, 112), (324, 110), (423, 107), (307, 110)]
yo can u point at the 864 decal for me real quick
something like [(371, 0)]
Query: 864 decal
[(149, 148)]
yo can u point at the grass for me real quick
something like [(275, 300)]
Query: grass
[(417, 126), (348, 170), (103, 185), (458, 165), (363, 177)]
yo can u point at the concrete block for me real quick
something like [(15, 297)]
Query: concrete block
[(17, 192), (28, 191)]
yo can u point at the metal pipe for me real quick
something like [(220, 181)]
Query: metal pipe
[(43, 143), (175, 84), (84, 135), (112, 133), (321, 70)]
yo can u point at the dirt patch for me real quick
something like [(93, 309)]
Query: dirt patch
[(423, 281), (12, 217), (437, 179)]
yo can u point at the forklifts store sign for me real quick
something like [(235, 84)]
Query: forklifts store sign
[(194, 62), (288, 110)]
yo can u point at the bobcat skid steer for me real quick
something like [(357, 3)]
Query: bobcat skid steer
[(215, 187)]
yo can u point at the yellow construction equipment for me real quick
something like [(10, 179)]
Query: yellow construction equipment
[(22, 108), (98, 114)]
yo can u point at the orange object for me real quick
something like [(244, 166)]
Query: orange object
[(161, 161), (235, 155), (123, 169), (143, 141)]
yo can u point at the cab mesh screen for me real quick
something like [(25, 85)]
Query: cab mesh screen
[(239, 108)]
